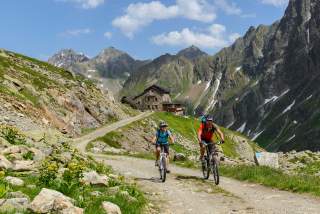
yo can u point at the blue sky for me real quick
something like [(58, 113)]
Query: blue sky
[(143, 28)]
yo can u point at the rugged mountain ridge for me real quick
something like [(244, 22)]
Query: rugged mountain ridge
[(280, 110), (264, 85), (109, 69), (37, 95)]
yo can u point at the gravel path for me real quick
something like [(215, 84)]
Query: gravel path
[(185, 192)]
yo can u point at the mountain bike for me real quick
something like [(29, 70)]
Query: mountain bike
[(211, 163), (163, 164)]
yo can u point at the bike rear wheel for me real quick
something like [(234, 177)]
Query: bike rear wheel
[(215, 170), (163, 169)]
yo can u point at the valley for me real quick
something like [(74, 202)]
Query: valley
[(76, 131)]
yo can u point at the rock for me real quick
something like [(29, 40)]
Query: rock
[(14, 181), (17, 194), (113, 190), (93, 177), (13, 204), (51, 201), (179, 157), (96, 193), (111, 208), (31, 186), (267, 159), (25, 165), (4, 163)]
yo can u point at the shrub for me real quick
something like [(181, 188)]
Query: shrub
[(48, 172), (12, 135), (28, 156)]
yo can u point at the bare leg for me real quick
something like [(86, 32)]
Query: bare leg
[(202, 151), (157, 152)]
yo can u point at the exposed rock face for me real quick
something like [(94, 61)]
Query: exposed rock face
[(278, 106), (49, 201)]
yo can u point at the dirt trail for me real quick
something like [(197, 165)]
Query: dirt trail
[(82, 142), (182, 191), (185, 192)]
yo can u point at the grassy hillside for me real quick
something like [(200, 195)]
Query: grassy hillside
[(136, 136), (65, 101)]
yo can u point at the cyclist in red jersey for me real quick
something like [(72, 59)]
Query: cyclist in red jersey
[(205, 135)]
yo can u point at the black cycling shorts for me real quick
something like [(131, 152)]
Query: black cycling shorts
[(165, 147)]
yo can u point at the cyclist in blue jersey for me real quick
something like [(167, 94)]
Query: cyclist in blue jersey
[(161, 139)]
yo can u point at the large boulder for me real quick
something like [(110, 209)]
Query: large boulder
[(111, 208), (14, 181), (93, 177), (51, 201), (5, 163), (267, 159)]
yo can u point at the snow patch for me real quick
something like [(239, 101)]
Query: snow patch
[(228, 126), (272, 99), (207, 86), (199, 82), (308, 98), (295, 122), (284, 93), (289, 107), (290, 138), (238, 68), (256, 135), (89, 76), (242, 127), (177, 96), (213, 101)]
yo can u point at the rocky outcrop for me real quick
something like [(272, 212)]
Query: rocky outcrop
[(111, 208), (51, 201)]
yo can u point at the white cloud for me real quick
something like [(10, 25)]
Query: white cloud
[(86, 4), (233, 37), (212, 37), (139, 15), (108, 35), (76, 32), (276, 3), (229, 8)]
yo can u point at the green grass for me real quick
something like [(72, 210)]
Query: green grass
[(185, 126), (310, 168), (111, 139), (273, 178)]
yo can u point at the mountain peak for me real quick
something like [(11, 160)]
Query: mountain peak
[(67, 57), (192, 52)]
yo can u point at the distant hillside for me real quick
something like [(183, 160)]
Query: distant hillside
[(35, 94), (110, 68)]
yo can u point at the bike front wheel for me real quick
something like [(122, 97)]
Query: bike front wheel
[(163, 169), (215, 171)]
